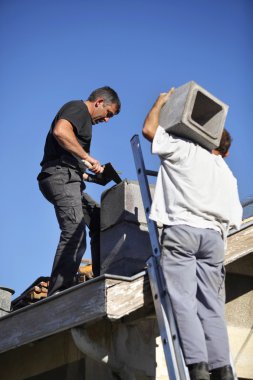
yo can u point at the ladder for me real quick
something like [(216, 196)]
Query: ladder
[(177, 369)]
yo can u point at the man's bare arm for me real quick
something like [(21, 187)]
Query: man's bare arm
[(152, 120), (64, 134)]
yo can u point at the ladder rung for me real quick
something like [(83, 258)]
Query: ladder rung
[(152, 173)]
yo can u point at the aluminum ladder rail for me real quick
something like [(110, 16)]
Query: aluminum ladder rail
[(177, 369)]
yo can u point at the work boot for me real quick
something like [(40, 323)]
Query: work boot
[(222, 373), (199, 371)]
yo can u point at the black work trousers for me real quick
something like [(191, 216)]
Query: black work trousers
[(63, 186)]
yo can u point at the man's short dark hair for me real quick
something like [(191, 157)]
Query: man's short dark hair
[(225, 143), (110, 96)]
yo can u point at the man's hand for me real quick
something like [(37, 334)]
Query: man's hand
[(96, 167), (163, 97), (151, 122), (93, 164)]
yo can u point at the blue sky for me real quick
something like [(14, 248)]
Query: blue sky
[(56, 51)]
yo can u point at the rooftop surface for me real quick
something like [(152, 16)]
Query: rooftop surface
[(107, 296)]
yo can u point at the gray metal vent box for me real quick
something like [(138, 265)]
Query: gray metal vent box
[(193, 113)]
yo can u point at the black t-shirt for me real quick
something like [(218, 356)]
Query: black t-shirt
[(76, 112)]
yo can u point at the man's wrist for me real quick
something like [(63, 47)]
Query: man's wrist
[(159, 104), (85, 156)]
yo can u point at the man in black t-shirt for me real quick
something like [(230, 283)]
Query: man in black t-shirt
[(61, 181)]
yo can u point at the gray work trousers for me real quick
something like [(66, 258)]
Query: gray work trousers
[(62, 186), (192, 264)]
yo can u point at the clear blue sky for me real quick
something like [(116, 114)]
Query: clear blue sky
[(55, 51)]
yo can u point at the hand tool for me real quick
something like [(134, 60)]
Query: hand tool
[(108, 174)]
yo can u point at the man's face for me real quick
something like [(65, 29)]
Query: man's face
[(103, 112)]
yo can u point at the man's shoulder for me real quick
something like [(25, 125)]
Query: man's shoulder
[(76, 112), (74, 108), (79, 104)]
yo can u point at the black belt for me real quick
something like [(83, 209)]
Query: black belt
[(59, 162)]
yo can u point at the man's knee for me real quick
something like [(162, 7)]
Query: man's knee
[(70, 217)]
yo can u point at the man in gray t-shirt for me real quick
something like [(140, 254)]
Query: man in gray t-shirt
[(196, 199)]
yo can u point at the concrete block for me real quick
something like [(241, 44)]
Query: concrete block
[(122, 203), (193, 113), (124, 249), (5, 300)]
